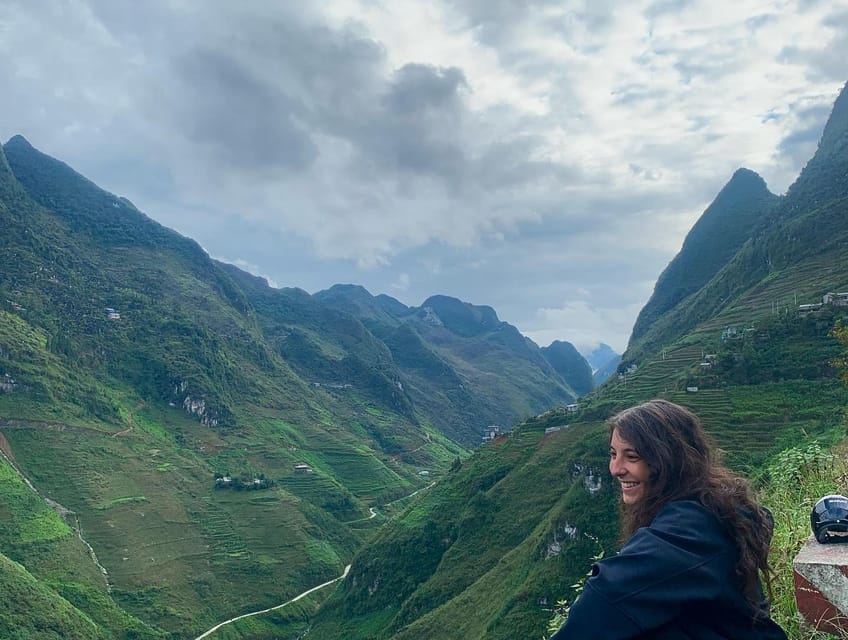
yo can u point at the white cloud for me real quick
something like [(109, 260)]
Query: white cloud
[(585, 325), (513, 154)]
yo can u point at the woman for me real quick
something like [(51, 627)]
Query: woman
[(697, 541)]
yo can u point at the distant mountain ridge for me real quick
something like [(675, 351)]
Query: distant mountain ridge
[(136, 370), (573, 367), (456, 354), (604, 362)]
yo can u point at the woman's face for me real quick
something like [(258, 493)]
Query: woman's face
[(627, 466)]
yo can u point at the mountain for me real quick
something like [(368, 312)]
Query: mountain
[(599, 356), (502, 537), (802, 230), (569, 364), (217, 441), (604, 362), (743, 205), (458, 360)]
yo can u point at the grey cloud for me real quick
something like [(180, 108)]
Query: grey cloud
[(493, 21), (800, 144), (249, 123), (498, 24), (422, 123), (826, 64), (756, 22), (634, 93), (418, 88)]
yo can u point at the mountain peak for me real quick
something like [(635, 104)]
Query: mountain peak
[(742, 205), (18, 141), (351, 291), (743, 174), (463, 318)]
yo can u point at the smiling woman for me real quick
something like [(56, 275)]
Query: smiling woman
[(697, 541)]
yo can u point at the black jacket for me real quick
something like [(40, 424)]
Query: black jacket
[(673, 580)]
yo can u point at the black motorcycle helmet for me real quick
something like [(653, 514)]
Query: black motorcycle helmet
[(829, 519)]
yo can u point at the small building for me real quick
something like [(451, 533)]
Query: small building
[(836, 299), (552, 429), (572, 408), (302, 468), (112, 314), (807, 308), (691, 389), (491, 432)]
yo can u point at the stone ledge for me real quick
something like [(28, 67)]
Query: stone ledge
[(820, 572)]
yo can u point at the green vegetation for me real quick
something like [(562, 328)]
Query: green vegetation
[(723, 335), (134, 368), (32, 611), (794, 480)]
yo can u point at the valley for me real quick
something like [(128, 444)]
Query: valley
[(184, 446)]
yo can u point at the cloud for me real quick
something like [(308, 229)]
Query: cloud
[(512, 154), (582, 323)]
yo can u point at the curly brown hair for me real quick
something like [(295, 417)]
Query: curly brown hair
[(684, 464)]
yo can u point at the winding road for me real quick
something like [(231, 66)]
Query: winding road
[(279, 606), (373, 512)]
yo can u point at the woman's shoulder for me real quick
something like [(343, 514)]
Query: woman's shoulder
[(686, 523), (690, 509)]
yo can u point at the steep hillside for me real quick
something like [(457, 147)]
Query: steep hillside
[(135, 370), (735, 348), (569, 364), (486, 549), (741, 207), (46, 567), (793, 257), (217, 441), (459, 362)]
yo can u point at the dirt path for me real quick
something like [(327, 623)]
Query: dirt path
[(130, 421), (67, 515), (279, 606), (373, 512)]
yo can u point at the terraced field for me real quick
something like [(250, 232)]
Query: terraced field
[(783, 291)]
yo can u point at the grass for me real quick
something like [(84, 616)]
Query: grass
[(793, 482)]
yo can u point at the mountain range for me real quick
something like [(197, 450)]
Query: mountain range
[(739, 328), (218, 442), (181, 443)]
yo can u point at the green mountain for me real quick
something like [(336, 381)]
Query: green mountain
[(218, 442), (499, 540), (741, 208), (794, 254), (569, 364), (459, 360)]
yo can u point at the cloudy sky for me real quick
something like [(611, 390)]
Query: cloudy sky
[(544, 157)]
